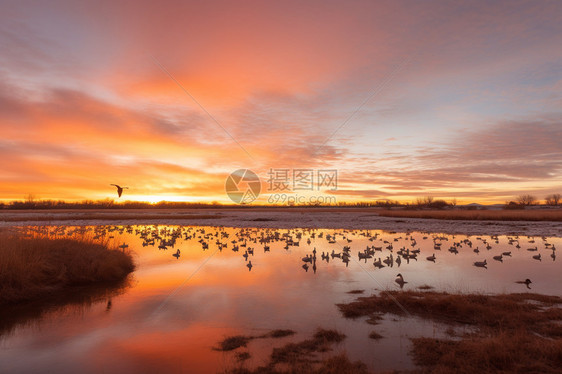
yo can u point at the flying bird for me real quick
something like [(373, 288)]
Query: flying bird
[(119, 189)]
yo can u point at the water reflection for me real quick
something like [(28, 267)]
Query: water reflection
[(75, 300), (196, 285)]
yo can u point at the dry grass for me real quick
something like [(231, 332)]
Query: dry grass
[(35, 268), (355, 292), (234, 342), (297, 352), (279, 333), (337, 364), (243, 356), (504, 352), (300, 357), (513, 333), (537, 313), (49, 216), (375, 335), (479, 215)]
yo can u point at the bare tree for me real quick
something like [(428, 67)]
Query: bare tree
[(553, 199), (453, 202), (526, 199), (428, 200)]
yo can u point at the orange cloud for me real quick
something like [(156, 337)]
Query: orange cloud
[(457, 92)]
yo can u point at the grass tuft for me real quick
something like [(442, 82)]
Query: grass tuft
[(35, 267), (320, 342), (233, 342), (503, 352), (538, 313), (301, 357), (280, 333), (375, 335)]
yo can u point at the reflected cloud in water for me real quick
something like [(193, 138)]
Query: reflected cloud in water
[(196, 285)]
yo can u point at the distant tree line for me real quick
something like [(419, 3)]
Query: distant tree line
[(553, 199), (428, 202), (102, 204), (526, 200)]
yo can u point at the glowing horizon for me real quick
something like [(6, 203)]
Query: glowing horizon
[(405, 99)]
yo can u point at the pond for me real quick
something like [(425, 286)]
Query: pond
[(175, 309)]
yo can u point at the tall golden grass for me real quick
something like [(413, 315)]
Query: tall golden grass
[(36, 267), (479, 215)]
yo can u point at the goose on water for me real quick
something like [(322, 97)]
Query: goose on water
[(526, 282), (481, 264), (400, 280)]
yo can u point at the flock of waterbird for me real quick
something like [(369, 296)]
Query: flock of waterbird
[(393, 248)]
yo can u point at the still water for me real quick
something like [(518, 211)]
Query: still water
[(175, 309)]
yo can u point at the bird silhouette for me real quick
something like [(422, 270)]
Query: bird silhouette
[(537, 257), (481, 264), (400, 280), (119, 189), (526, 282)]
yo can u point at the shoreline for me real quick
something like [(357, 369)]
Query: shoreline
[(349, 219)]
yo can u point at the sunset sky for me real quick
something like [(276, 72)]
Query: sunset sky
[(405, 99)]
